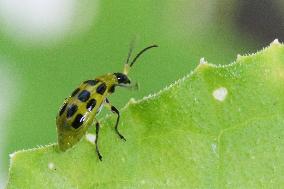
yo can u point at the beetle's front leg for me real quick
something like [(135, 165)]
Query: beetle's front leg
[(115, 110)]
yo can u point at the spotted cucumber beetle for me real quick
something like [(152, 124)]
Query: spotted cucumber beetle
[(79, 110)]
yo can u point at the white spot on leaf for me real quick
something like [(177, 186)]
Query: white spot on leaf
[(275, 42), (12, 155), (91, 137), (214, 148), (239, 56), (220, 93), (51, 166), (202, 61)]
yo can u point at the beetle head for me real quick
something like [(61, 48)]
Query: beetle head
[(122, 78)]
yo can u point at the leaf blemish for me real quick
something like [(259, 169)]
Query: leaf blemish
[(220, 94), (51, 166), (202, 61), (275, 42), (91, 137), (214, 148)]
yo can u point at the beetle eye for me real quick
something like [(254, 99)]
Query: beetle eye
[(122, 78)]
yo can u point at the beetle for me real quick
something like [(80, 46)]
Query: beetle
[(79, 110)]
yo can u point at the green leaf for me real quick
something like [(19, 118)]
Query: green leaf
[(218, 127)]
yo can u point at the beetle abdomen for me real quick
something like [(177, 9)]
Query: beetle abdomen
[(78, 112)]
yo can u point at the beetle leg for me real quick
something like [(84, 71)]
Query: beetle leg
[(114, 110), (96, 141)]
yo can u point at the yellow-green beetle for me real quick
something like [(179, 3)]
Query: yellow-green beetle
[(79, 110)]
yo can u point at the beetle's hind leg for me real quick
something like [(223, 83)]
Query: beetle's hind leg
[(96, 141), (115, 110)]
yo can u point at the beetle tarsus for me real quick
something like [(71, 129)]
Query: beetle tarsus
[(120, 135)]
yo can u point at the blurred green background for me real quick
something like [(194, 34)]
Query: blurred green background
[(47, 47)]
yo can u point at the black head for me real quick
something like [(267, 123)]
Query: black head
[(122, 78)]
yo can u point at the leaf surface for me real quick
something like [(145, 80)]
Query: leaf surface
[(218, 127)]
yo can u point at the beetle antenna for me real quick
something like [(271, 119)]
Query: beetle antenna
[(131, 47), (126, 65), (140, 53)]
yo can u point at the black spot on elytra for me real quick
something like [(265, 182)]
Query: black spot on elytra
[(84, 96), (75, 92), (101, 88), (92, 82), (71, 110), (62, 109), (112, 89), (91, 104), (78, 121)]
